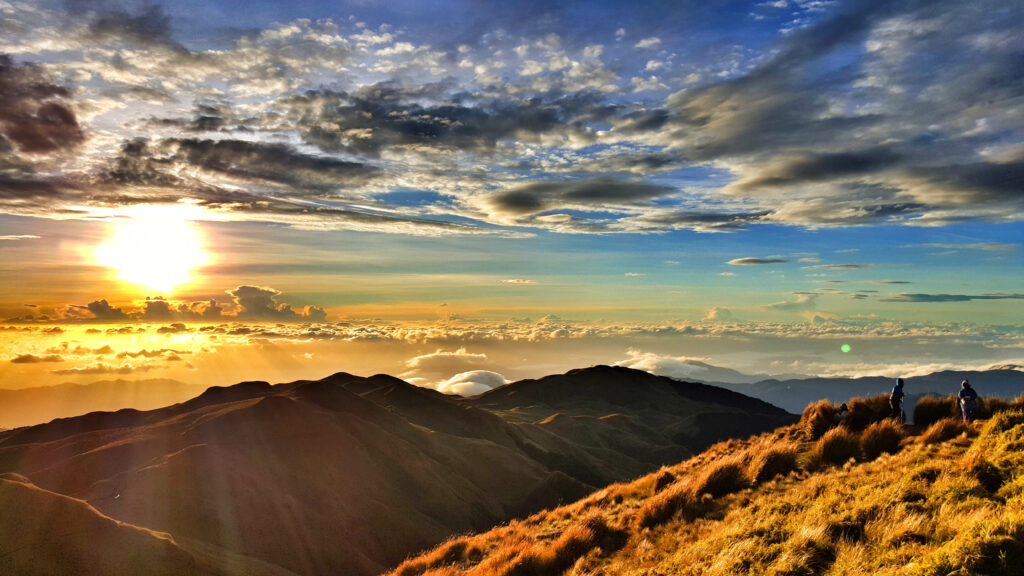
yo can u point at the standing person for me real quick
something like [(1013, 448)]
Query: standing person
[(896, 401), (968, 401)]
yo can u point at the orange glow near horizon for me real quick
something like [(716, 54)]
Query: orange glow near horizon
[(156, 247)]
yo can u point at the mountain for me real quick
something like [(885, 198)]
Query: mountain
[(27, 406), (873, 499), (795, 395), (350, 475)]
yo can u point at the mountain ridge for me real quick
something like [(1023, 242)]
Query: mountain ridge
[(307, 475)]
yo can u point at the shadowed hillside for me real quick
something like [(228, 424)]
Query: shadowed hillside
[(863, 497), (349, 475), (27, 406)]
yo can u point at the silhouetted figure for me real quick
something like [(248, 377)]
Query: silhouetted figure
[(896, 401), (968, 401)]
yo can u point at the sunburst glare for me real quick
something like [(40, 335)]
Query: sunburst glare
[(156, 247)]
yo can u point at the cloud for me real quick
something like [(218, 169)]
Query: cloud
[(803, 302), (983, 246), (34, 114), (444, 362), (834, 267), (519, 281), (471, 383), (102, 311), (260, 303), (754, 261), (634, 274), (14, 237), (537, 197), (720, 315), (928, 298), (102, 368), (680, 367), (33, 359), (648, 43)]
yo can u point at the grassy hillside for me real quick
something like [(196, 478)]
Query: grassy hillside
[(866, 497)]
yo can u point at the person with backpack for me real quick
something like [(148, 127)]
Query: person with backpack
[(968, 401), (896, 401)]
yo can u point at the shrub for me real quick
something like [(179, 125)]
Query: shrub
[(818, 418), (772, 461), (837, 446), (664, 480), (882, 437), (718, 479), (721, 478), (865, 411), (944, 429), (987, 407), (984, 472), (931, 409), (448, 553), (663, 506), (572, 545)]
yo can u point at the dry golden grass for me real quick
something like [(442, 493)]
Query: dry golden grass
[(772, 460), (818, 418), (944, 429), (836, 447), (882, 437), (931, 409), (866, 411), (922, 508)]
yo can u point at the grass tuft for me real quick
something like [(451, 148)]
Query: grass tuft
[(932, 409), (774, 460), (882, 437), (836, 447), (818, 418), (943, 430)]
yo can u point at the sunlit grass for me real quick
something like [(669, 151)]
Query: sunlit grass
[(812, 498)]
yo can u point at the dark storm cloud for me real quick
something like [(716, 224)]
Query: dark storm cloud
[(389, 115), (979, 181), (928, 298), (260, 303), (34, 113), (275, 163), (815, 167), (755, 261), (541, 196)]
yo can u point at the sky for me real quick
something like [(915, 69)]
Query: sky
[(468, 192)]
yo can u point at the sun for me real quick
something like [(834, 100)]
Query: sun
[(157, 247)]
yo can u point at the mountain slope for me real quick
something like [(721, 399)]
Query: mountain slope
[(946, 500), (27, 406), (350, 475)]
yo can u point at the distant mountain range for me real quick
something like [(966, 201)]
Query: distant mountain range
[(27, 406), (795, 395), (345, 475)]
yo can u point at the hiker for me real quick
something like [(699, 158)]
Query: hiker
[(968, 401), (896, 401)]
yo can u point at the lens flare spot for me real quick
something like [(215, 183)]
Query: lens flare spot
[(845, 348), (156, 247)]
